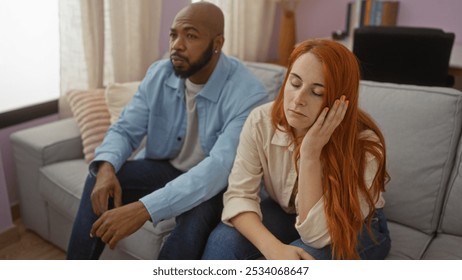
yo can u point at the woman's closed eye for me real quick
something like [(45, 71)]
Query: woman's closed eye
[(295, 82), (317, 89), (317, 93)]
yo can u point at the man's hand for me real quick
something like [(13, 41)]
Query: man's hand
[(107, 185), (118, 223)]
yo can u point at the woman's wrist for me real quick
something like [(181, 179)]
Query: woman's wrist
[(309, 160), (270, 248)]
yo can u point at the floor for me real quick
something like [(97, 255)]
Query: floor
[(30, 246)]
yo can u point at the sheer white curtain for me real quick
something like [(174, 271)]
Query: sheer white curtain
[(104, 41), (248, 27)]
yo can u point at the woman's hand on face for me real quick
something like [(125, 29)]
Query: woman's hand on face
[(320, 132)]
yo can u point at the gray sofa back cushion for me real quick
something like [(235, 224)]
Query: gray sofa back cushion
[(452, 217), (422, 126), (271, 75)]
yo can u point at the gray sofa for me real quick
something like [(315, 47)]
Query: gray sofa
[(422, 127)]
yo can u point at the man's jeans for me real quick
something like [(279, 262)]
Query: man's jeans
[(226, 243), (137, 179)]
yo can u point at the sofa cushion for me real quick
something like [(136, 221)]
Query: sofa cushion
[(61, 185), (407, 243), (271, 75), (146, 242), (421, 126), (90, 110), (451, 217), (117, 96), (445, 247)]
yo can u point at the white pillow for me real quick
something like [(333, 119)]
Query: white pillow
[(118, 95)]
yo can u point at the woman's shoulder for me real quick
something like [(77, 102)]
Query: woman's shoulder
[(262, 113), (259, 121)]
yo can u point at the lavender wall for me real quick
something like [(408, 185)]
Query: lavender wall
[(445, 14), (318, 18)]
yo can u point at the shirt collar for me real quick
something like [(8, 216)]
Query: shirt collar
[(282, 139), (214, 85)]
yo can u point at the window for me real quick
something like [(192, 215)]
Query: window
[(29, 53)]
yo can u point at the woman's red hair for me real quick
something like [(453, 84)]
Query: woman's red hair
[(344, 156)]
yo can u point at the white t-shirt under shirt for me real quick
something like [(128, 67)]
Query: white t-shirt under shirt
[(191, 152)]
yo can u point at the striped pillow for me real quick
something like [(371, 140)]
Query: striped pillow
[(93, 119)]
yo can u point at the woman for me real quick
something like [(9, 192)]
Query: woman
[(322, 161)]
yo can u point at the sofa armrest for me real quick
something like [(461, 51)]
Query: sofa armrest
[(36, 147), (49, 143)]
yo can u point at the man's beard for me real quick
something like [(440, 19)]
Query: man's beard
[(195, 67)]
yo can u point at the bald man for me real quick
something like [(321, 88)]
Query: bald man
[(191, 108)]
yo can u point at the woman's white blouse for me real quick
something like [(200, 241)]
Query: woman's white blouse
[(264, 152)]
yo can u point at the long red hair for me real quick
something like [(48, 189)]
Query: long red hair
[(344, 156)]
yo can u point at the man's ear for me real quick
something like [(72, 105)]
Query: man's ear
[(218, 42)]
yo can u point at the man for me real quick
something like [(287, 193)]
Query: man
[(191, 108)]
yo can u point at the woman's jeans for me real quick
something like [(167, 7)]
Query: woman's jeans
[(137, 179), (226, 243)]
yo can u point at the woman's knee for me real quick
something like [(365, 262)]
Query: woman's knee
[(324, 253), (226, 243)]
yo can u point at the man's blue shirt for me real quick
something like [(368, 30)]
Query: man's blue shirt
[(158, 111)]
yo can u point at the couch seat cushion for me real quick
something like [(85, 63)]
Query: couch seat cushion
[(445, 247), (407, 243), (451, 218), (61, 185)]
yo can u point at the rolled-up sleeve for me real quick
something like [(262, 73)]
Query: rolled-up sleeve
[(244, 181), (313, 230)]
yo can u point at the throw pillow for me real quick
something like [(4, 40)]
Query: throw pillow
[(91, 113), (117, 96)]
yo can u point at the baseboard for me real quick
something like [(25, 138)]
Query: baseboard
[(9, 236)]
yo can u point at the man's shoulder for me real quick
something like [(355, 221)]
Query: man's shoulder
[(160, 66)]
